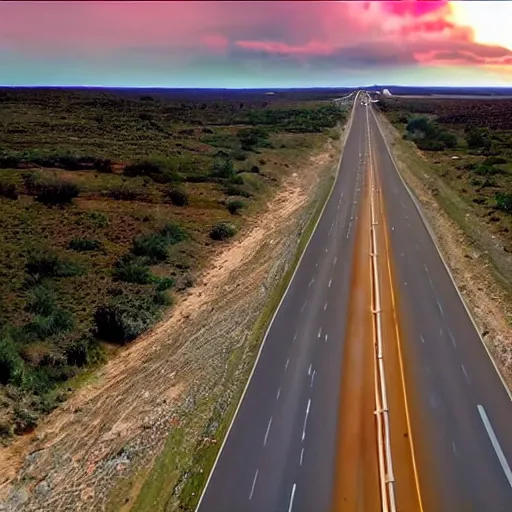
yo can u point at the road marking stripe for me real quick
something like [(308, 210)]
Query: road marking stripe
[(330, 282), (309, 369), (304, 306), (306, 420), (495, 444), (325, 306), (325, 340), (286, 364), (454, 343), (440, 307), (267, 432), (319, 332), (292, 498), (335, 260), (301, 456), (253, 484), (465, 372), (278, 393), (422, 339), (312, 377)]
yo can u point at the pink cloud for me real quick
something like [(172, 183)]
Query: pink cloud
[(310, 49), (215, 42)]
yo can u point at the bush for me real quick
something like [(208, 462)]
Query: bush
[(8, 190), (255, 169), (164, 283), (123, 193), (12, 368), (239, 155), (133, 270), (57, 192), (235, 206), (222, 231), (103, 165), (123, 322), (24, 420), (477, 139), (178, 197), (235, 190), (154, 246), (158, 171), (487, 170), (41, 300), (84, 244), (173, 233), (43, 327), (48, 264), (504, 202), (223, 168), (162, 299), (84, 351), (236, 180), (98, 219)]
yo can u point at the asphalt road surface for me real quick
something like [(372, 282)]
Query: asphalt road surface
[(280, 454)]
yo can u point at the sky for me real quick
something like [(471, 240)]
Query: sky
[(256, 44)]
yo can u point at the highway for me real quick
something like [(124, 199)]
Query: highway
[(324, 420)]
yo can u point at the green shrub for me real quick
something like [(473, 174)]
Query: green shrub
[(173, 233), (239, 155), (236, 180), (222, 168), (159, 171), (122, 322), (235, 190), (24, 420), (57, 192), (255, 169), (178, 197), (49, 264), (84, 244), (153, 246), (123, 193), (84, 351), (12, 367), (478, 139), (235, 206), (41, 300), (8, 190), (161, 298), (222, 231), (494, 160), (487, 170), (504, 202), (251, 138), (164, 283), (43, 327), (133, 270), (98, 219)]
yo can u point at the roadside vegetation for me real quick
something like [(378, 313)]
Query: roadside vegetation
[(469, 144), (112, 204)]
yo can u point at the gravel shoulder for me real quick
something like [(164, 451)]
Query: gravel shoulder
[(475, 258), (163, 395)]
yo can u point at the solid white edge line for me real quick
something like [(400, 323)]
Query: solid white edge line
[(347, 133), (433, 237), (495, 444)]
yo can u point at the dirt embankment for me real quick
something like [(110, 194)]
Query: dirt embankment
[(471, 260), (118, 423)]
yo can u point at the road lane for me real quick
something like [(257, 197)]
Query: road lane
[(448, 371), (303, 408)]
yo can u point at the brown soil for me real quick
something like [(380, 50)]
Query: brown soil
[(471, 262), (117, 423)]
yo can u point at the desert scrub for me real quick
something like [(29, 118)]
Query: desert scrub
[(235, 205), (222, 231), (178, 197), (132, 269), (49, 264), (84, 244), (56, 192)]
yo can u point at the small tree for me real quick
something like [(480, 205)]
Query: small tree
[(235, 206)]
